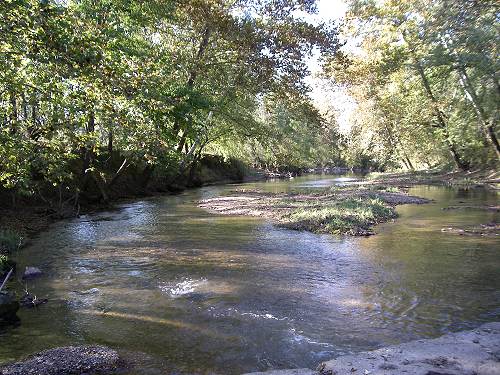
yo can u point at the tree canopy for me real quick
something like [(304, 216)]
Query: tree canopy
[(89, 88)]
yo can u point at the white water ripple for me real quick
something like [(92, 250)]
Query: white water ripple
[(186, 286)]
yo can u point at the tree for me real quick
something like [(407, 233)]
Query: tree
[(434, 44)]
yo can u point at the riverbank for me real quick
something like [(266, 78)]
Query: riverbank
[(464, 353)]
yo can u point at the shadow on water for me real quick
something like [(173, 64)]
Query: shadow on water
[(180, 289)]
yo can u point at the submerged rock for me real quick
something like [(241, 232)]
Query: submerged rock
[(70, 360), (29, 300), (8, 307), (488, 230), (31, 273)]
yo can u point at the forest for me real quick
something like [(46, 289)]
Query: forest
[(91, 90)]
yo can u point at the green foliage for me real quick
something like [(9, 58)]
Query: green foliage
[(288, 136)]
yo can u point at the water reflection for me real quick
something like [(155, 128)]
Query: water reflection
[(181, 289)]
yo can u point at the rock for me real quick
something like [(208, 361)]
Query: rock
[(31, 273), (70, 360), (29, 300), (8, 307), (454, 354)]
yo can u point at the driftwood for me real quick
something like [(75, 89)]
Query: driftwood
[(6, 279)]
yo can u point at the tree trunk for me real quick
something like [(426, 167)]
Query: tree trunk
[(408, 161), (147, 173), (91, 122), (110, 142), (25, 107), (463, 165), (488, 127), (101, 185), (14, 115), (87, 154), (191, 81), (118, 173), (405, 163), (33, 130)]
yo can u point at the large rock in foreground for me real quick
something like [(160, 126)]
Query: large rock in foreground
[(70, 360), (475, 352)]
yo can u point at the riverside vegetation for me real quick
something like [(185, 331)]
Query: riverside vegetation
[(105, 99)]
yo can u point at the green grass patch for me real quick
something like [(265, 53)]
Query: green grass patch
[(351, 216)]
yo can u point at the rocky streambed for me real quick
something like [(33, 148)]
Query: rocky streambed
[(70, 360)]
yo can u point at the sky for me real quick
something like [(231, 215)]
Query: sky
[(326, 98)]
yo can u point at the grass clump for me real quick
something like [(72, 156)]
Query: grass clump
[(352, 216), (9, 241)]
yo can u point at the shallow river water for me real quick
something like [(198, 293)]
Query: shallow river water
[(180, 290)]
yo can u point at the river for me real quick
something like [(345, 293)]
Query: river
[(180, 290)]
